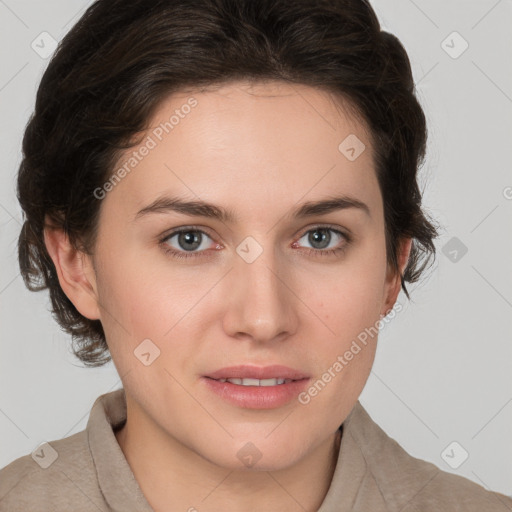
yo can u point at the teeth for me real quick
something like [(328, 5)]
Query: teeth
[(271, 382), (257, 382)]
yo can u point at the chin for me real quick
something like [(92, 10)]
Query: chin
[(263, 455)]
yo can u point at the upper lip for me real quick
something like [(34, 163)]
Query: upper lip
[(257, 372)]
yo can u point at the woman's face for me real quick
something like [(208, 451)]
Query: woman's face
[(275, 281)]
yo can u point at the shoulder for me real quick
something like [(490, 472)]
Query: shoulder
[(410, 484), (447, 491), (434, 489), (56, 476)]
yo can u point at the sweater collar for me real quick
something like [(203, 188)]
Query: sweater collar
[(115, 477), (362, 442)]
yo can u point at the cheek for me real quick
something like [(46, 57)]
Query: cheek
[(350, 297), (344, 356), (132, 302), (348, 302), (146, 295), (353, 321)]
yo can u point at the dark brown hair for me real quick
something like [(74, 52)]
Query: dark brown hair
[(123, 57)]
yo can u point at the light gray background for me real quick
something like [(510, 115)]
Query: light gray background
[(443, 366)]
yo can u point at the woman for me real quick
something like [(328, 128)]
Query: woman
[(221, 195)]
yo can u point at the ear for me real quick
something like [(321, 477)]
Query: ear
[(393, 281), (75, 271)]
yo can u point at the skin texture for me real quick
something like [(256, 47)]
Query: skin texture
[(258, 150)]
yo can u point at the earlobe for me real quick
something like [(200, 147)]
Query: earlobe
[(75, 272)]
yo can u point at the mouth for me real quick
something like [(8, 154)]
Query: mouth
[(249, 375), (257, 382), (253, 387)]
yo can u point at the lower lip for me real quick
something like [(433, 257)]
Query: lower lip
[(257, 397)]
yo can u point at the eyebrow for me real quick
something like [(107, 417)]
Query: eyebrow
[(200, 208)]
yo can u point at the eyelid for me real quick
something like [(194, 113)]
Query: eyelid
[(180, 229), (338, 229)]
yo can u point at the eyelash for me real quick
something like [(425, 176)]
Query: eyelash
[(316, 252)]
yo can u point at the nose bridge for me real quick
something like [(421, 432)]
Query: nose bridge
[(261, 305)]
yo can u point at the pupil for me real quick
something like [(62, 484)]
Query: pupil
[(320, 236), (189, 237)]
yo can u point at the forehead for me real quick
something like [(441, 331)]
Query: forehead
[(242, 142)]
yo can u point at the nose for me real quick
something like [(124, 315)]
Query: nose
[(261, 305)]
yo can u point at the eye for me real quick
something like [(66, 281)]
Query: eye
[(190, 242), (187, 240), (324, 240)]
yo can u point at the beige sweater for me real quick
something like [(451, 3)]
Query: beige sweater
[(373, 473)]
